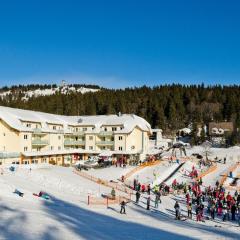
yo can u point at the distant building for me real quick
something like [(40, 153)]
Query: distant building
[(217, 132), (220, 128), (35, 137)]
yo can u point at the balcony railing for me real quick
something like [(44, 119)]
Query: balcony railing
[(106, 133), (73, 142), (39, 142), (38, 131), (105, 142), (60, 131), (9, 155), (80, 133)]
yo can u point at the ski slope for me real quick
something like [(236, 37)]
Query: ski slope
[(67, 216)]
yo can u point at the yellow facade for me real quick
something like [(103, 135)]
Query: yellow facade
[(36, 144)]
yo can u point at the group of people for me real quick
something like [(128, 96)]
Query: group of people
[(215, 200)]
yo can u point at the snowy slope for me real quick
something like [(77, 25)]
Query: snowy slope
[(47, 92), (67, 216)]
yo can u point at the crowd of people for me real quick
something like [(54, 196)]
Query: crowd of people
[(207, 202), (211, 202)]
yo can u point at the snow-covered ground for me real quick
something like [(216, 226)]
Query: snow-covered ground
[(50, 91), (67, 216)]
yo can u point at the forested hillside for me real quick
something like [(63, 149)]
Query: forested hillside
[(167, 107)]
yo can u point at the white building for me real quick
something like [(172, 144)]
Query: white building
[(36, 137)]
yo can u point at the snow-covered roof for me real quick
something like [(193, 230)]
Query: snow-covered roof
[(14, 118)]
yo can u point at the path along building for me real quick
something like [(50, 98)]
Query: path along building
[(28, 137)]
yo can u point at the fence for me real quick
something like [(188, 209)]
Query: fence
[(231, 169), (142, 166), (91, 200), (105, 183), (208, 171)]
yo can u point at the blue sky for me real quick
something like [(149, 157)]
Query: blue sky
[(120, 43)]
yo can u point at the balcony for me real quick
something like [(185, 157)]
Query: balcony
[(80, 133), (104, 142), (9, 155), (38, 131), (105, 133), (60, 131), (73, 142), (39, 142)]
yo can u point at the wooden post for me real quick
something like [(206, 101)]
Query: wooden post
[(88, 200)]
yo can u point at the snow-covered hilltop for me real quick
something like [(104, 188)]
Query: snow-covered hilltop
[(27, 92)]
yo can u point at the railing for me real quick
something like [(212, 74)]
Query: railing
[(91, 200), (39, 142), (37, 131), (103, 182), (80, 133), (73, 142), (60, 131), (106, 133), (104, 142), (9, 155)]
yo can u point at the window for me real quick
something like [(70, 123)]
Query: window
[(84, 129), (105, 129), (25, 136), (120, 148), (114, 129), (76, 129), (4, 134), (59, 148), (28, 125), (121, 128), (52, 147), (38, 149), (120, 138), (44, 160), (90, 147), (25, 149), (59, 137), (54, 127), (90, 137)]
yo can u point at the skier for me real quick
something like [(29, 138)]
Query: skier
[(189, 209), (212, 211), (113, 193), (233, 211), (138, 194), (148, 189), (123, 207), (157, 198), (148, 203), (177, 210), (224, 212)]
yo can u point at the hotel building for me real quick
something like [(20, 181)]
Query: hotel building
[(28, 137)]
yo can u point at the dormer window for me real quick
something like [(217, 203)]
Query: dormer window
[(105, 129), (54, 127), (28, 125), (84, 129), (114, 129)]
